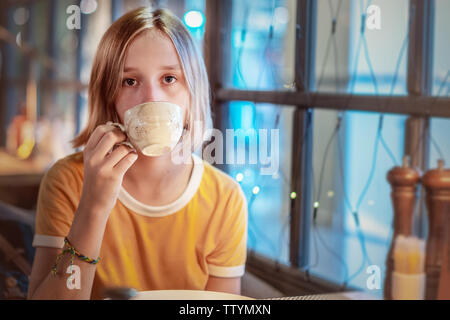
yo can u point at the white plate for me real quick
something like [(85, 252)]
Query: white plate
[(187, 295)]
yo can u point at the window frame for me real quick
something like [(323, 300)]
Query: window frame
[(416, 104)]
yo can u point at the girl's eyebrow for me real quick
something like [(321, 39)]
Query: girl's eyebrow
[(128, 69), (171, 67), (168, 67)]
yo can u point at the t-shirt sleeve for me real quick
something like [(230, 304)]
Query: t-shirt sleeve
[(228, 258), (58, 200)]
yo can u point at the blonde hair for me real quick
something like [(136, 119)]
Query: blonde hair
[(107, 70)]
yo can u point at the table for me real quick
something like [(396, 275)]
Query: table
[(187, 295), (211, 295), (348, 295)]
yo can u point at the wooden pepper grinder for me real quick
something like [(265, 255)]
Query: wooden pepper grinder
[(437, 185), (404, 181), (444, 280)]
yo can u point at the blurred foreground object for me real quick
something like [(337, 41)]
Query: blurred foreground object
[(46, 142), (20, 135), (16, 251), (120, 293), (408, 276)]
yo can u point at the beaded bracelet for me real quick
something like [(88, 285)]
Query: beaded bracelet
[(74, 252)]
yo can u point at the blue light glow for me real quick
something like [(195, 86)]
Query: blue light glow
[(194, 19)]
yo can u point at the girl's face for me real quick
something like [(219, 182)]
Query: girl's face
[(152, 72)]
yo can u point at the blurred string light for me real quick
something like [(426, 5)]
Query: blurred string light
[(88, 6), (239, 177), (19, 39), (293, 195), (255, 190), (194, 19), (21, 16), (248, 172)]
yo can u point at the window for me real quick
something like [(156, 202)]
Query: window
[(40, 84), (266, 187), (359, 131), (262, 45), (351, 156), (347, 60), (441, 69), (261, 52), (440, 147), (440, 144), (349, 168)]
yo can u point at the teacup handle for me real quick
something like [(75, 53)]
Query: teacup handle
[(121, 128), (117, 125)]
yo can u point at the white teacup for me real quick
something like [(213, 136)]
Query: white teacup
[(153, 128)]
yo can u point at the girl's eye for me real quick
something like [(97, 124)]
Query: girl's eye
[(129, 82), (169, 79)]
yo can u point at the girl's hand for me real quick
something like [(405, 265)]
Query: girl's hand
[(103, 169)]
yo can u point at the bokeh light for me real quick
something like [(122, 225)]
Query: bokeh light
[(21, 16), (194, 19), (88, 6)]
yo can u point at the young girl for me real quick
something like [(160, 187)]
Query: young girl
[(137, 221)]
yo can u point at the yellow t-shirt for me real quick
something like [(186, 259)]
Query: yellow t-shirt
[(176, 246)]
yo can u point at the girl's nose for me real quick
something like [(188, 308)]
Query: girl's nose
[(153, 93)]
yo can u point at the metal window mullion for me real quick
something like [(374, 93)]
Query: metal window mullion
[(302, 136), (214, 50), (420, 51), (408, 105), (217, 47), (419, 84)]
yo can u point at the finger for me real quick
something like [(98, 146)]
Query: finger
[(116, 155), (107, 142), (97, 135), (125, 163)]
